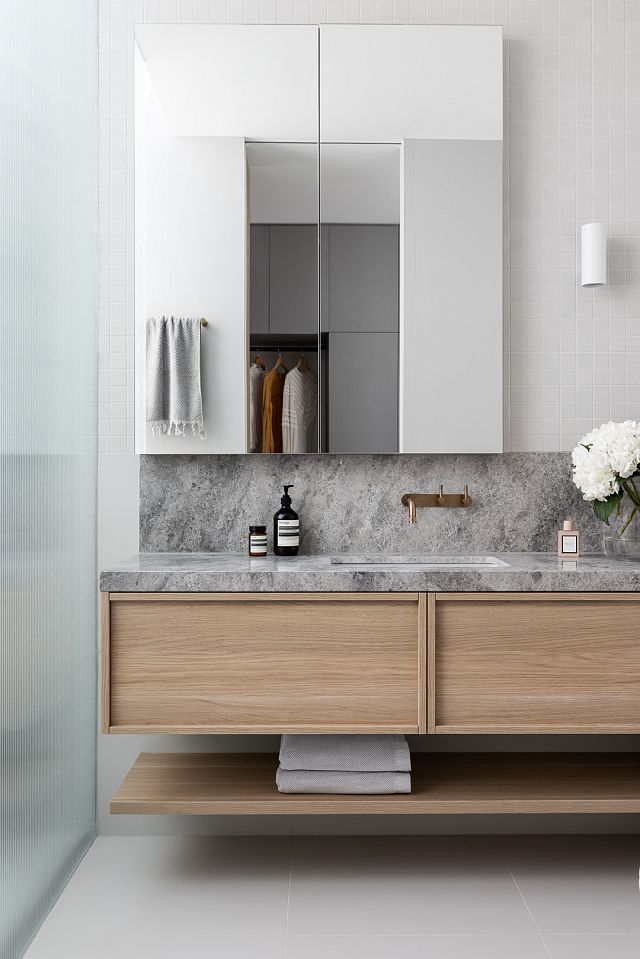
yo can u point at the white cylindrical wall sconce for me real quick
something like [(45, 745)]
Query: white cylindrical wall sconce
[(594, 254)]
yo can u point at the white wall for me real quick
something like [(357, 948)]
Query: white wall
[(191, 238), (451, 303)]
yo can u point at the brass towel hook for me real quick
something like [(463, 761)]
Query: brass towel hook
[(204, 321)]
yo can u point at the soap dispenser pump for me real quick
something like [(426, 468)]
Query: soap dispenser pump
[(286, 527)]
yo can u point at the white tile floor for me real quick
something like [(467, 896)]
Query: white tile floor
[(336, 898)]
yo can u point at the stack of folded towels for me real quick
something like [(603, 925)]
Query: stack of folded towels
[(366, 765)]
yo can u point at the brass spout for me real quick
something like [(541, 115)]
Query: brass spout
[(439, 499)]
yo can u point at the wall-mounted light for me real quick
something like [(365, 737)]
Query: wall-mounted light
[(594, 254)]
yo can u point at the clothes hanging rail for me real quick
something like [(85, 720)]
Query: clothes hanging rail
[(288, 342)]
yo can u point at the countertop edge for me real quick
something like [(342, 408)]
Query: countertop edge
[(526, 572)]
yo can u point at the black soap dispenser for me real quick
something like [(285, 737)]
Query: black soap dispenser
[(286, 528)]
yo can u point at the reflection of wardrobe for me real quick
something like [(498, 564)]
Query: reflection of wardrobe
[(360, 312), (284, 287)]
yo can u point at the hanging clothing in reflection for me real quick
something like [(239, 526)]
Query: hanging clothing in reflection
[(256, 386), (272, 391), (300, 410)]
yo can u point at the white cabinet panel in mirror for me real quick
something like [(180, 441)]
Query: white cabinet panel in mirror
[(318, 239)]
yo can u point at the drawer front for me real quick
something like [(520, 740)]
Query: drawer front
[(266, 663), (538, 663)]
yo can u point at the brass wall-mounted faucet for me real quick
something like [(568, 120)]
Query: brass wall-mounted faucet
[(450, 500)]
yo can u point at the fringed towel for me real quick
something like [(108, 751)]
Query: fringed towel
[(174, 396)]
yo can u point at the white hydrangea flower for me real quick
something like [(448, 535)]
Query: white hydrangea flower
[(604, 456)]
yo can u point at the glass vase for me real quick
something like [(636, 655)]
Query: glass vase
[(621, 538)]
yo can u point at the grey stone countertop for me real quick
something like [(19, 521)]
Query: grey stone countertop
[(233, 572)]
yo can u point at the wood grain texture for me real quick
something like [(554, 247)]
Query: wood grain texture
[(431, 663), (105, 673), (422, 663), (273, 663), (544, 663), (244, 784)]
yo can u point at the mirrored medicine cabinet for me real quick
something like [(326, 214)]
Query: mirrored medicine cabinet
[(329, 198)]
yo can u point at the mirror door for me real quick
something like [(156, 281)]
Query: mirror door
[(226, 230), (411, 221)]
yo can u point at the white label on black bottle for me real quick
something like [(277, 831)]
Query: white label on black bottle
[(288, 532)]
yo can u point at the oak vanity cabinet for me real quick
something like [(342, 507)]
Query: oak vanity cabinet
[(534, 663), (261, 662), (371, 662), (375, 662)]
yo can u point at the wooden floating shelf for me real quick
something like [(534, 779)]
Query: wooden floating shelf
[(223, 784)]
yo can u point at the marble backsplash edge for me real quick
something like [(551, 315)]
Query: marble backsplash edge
[(352, 503)]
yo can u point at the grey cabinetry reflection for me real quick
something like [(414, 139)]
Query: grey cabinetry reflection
[(363, 393), (293, 278), (284, 285), (363, 343), (259, 275), (363, 276)]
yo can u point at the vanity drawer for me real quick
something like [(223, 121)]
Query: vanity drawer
[(264, 662), (527, 663)]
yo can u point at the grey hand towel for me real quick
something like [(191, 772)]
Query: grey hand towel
[(346, 753), (173, 393), (353, 783)]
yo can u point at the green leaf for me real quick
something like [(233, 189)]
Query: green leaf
[(603, 510)]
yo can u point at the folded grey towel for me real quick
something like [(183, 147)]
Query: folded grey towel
[(323, 781), (346, 753)]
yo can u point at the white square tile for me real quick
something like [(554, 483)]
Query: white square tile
[(582, 885), (415, 947), (593, 947), (156, 887), (402, 885), (158, 944)]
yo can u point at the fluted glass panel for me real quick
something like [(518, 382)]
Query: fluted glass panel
[(48, 189)]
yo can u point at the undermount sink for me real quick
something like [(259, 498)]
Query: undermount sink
[(417, 559)]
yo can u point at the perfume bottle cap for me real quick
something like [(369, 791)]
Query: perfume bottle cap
[(568, 524)]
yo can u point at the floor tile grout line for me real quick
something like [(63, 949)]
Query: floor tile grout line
[(286, 912), (526, 906), (438, 935)]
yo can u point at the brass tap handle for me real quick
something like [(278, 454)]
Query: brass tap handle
[(465, 499), (440, 496)]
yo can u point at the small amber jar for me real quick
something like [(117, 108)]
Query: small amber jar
[(257, 541)]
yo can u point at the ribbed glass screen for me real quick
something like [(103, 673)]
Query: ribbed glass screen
[(48, 187)]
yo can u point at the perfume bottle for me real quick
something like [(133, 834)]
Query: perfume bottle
[(568, 541)]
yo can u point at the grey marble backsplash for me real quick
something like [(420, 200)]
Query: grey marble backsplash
[(352, 503)]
